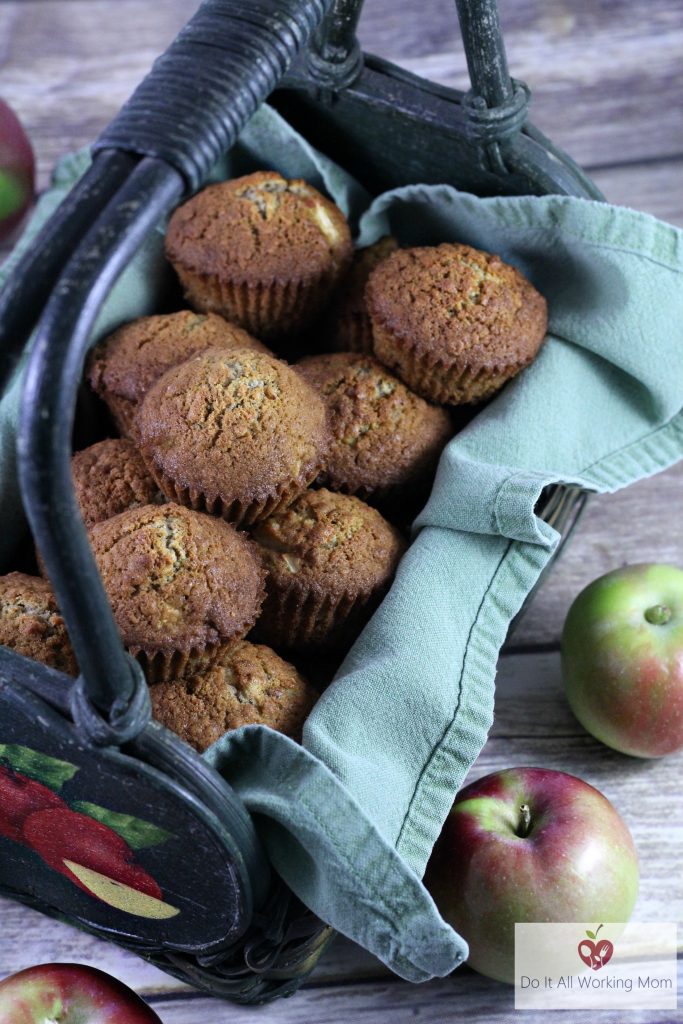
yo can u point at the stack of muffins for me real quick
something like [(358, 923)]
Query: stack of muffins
[(247, 497)]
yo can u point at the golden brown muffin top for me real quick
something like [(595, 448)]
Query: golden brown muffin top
[(177, 579), (234, 425), (330, 543), (452, 302), (31, 623), (135, 356), (259, 228), (110, 477), (383, 435), (254, 687)]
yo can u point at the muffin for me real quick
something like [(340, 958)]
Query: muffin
[(237, 434), (384, 439), (350, 325), (454, 323), (263, 251), (253, 687), (330, 559), (110, 477), (31, 624), (182, 586), (123, 367)]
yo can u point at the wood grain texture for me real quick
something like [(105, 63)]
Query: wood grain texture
[(607, 77)]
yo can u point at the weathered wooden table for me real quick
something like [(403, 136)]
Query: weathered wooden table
[(607, 78)]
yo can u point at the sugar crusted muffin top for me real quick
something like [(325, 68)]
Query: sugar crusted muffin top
[(331, 543), (177, 579), (453, 301), (109, 477), (253, 687), (383, 434), (253, 227), (31, 623), (233, 424), (129, 361)]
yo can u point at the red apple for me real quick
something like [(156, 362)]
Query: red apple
[(527, 845), (17, 171), (70, 994), (19, 797), (622, 659)]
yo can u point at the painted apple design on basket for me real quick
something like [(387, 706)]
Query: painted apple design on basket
[(20, 797), (595, 954), (88, 844)]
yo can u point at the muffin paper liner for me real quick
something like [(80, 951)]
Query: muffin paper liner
[(239, 513), (267, 310), (162, 666), (295, 617), (437, 381)]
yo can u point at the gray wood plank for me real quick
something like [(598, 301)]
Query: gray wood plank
[(462, 996), (604, 77), (653, 188), (607, 79)]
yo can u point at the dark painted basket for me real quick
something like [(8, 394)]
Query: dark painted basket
[(241, 934)]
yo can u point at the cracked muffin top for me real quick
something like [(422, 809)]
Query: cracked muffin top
[(177, 579), (253, 687), (123, 367), (451, 301), (383, 435), (110, 477), (260, 227), (331, 544), (31, 623), (236, 426)]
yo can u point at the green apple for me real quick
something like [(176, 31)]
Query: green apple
[(527, 845), (622, 659)]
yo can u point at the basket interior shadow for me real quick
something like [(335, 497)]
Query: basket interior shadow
[(225, 923)]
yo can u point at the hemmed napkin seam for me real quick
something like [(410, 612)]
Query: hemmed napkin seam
[(455, 717), (483, 651)]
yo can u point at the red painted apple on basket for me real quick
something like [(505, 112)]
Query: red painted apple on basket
[(85, 843), (527, 845), (70, 994)]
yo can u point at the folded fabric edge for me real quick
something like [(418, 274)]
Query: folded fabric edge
[(385, 907), (513, 578)]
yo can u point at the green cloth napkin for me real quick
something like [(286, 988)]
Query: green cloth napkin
[(350, 817)]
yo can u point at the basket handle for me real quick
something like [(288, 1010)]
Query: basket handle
[(188, 110), (212, 78), (495, 106)]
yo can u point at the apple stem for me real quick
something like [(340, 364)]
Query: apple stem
[(658, 614), (597, 930), (525, 822)]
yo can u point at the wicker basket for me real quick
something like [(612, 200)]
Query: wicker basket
[(248, 938)]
